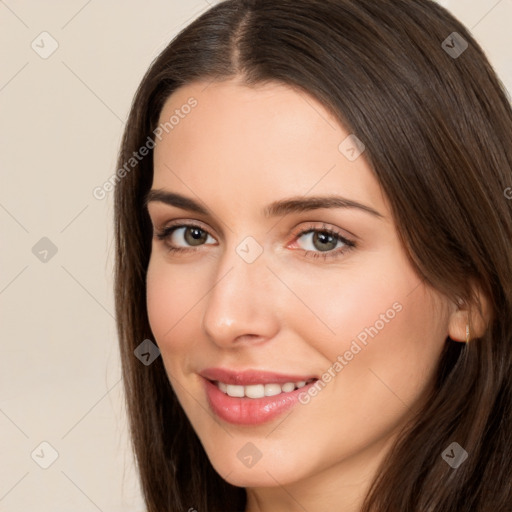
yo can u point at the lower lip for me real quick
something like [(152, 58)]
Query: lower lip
[(250, 411)]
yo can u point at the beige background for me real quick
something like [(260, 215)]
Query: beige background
[(60, 126)]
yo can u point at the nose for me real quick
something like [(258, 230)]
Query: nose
[(242, 305)]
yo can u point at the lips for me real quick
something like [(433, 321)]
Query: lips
[(236, 397)]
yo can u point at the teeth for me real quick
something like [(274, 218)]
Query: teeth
[(259, 390), (272, 389), (255, 391), (237, 391)]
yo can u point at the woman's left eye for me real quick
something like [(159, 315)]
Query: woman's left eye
[(322, 242), (329, 243)]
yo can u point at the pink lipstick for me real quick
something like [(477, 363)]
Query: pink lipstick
[(252, 397)]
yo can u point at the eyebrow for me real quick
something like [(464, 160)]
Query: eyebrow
[(277, 208)]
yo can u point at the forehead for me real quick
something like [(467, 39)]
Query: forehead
[(266, 141)]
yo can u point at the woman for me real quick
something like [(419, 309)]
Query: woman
[(312, 228)]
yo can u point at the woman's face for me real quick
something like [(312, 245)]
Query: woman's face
[(270, 282)]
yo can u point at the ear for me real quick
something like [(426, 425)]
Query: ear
[(475, 315)]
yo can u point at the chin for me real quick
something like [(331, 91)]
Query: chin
[(268, 471)]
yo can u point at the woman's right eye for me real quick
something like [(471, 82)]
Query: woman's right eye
[(188, 234)]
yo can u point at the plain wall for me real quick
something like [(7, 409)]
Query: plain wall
[(60, 126)]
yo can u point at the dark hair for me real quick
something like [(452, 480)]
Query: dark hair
[(437, 129)]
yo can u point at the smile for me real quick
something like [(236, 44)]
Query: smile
[(252, 397)]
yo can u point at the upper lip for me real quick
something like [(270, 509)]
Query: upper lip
[(248, 377)]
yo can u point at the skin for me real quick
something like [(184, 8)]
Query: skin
[(240, 149)]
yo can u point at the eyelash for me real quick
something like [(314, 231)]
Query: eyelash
[(166, 233)]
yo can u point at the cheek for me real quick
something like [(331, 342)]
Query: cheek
[(357, 301), (171, 293), (390, 344), (383, 326), (405, 356)]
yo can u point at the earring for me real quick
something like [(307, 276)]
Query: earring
[(467, 333)]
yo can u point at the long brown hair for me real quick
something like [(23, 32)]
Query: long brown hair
[(437, 127)]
